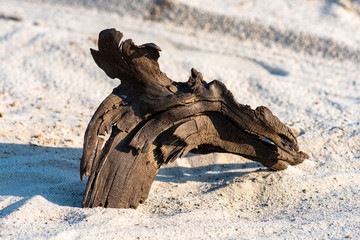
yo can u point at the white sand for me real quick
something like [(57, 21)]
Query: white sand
[(302, 60)]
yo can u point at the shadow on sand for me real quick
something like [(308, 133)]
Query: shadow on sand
[(208, 173), (53, 173)]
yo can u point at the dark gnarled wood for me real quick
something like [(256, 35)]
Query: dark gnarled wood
[(151, 120)]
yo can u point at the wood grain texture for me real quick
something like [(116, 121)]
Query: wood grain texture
[(151, 120)]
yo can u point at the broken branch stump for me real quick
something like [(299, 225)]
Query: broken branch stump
[(152, 120)]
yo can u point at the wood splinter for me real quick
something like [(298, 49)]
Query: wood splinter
[(150, 120)]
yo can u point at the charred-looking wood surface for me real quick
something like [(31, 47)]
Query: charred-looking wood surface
[(150, 120)]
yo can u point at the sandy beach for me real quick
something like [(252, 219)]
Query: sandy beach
[(301, 59)]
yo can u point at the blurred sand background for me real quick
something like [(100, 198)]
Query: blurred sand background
[(300, 58)]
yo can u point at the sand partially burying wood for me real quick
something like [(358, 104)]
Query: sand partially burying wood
[(300, 59)]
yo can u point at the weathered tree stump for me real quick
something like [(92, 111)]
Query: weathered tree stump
[(151, 120)]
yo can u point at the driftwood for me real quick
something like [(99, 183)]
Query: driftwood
[(150, 120)]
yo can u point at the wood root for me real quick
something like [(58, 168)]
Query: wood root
[(151, 120)]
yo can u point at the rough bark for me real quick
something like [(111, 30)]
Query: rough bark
[(152, 120)]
